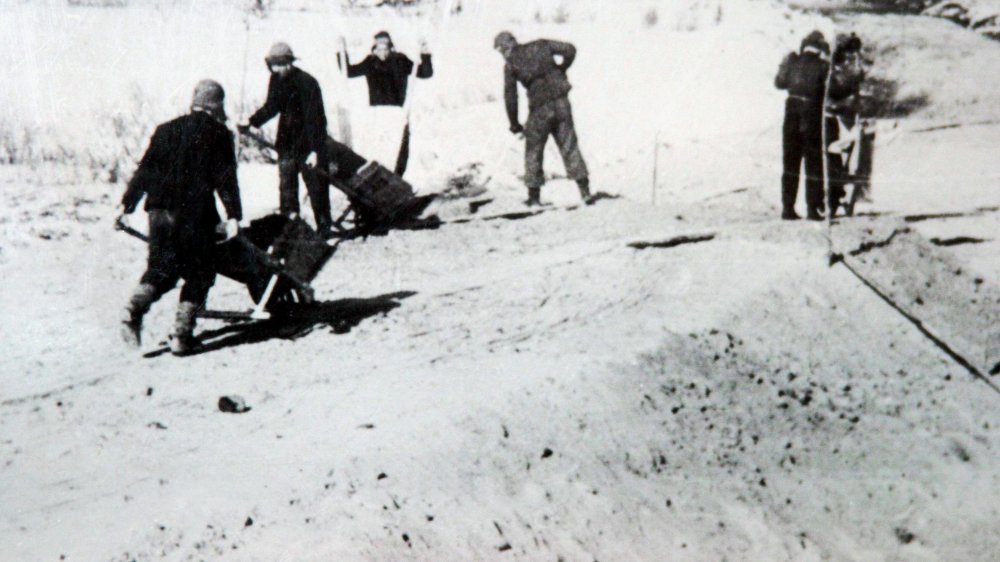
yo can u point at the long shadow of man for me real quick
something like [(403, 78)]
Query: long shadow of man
[(341, 316)]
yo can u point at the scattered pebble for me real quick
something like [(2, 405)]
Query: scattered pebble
[(904, 536), (233, 405)]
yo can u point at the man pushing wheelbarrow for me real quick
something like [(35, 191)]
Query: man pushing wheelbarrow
[(377, 198), (189, 160)]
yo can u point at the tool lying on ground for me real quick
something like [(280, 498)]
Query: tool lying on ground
[(276, 257), (378, 198)]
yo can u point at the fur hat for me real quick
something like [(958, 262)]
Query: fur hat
[(849, 43), (816, 41), (384, 35)]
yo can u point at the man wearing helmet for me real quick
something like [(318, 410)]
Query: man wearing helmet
[(189, 159), (533, 65), (296, 95)]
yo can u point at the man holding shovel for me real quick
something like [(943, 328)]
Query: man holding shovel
[(533, 65), (189, 159)]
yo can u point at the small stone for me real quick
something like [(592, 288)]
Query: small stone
[(904, 536), (233, 405)]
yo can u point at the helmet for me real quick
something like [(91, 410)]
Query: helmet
[(209, 96), (504, 39), (279, 53)]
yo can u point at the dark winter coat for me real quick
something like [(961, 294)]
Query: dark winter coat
[(845, 87), (299, 100), (387, 80), (532, 64), (803, 75), (189, 159)]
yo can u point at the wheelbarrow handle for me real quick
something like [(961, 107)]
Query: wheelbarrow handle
[(120, 225)]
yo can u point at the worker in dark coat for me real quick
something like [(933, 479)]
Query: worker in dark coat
[(189, 160), (549, 113), (843, 103), (296, 95), (387, 73), (804, 76)]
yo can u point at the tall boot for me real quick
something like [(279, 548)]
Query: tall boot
[(138, 305), (182, 341), (534, 197), (584, 185)]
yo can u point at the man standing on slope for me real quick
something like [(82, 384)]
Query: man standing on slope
[(533, 65), (387, 73), (843, 118), (301, 134), (803, 75), (188, 160)]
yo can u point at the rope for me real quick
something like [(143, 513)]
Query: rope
[(826, 163), (934, 338)]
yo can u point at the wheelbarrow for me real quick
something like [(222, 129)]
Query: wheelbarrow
[(377, 198), (276, 257)]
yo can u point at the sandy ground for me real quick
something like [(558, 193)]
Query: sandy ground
[(531, 388)]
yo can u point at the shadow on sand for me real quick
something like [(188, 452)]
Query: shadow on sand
[(341, 316)]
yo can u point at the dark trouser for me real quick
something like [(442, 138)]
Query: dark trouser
[(802, 140), (836, 168), (556, 119), (289, 168), (404, 152), (171, 260)]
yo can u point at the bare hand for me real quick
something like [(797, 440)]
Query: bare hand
[(121, 221), (232, 228)]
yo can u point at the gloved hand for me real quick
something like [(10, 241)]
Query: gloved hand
[(311, 160), (516, 128), (243, 128)]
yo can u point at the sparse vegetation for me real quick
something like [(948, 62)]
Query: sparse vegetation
[(560, 15), (651, 18)]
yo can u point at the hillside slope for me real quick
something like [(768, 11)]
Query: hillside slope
[(535, 388)]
